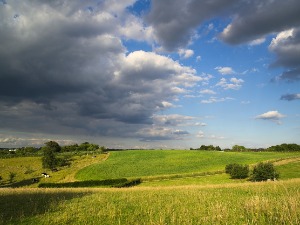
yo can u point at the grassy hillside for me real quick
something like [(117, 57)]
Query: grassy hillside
[(144, 163), (27, 168), (251, 203)]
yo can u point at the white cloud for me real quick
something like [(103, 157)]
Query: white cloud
[(202, 135), (200, 124), (185, 53), (225, 70), (198, 58), (215, 100), (208, 92), (274, 116), (233, 83), (258, 41), (280, 38)]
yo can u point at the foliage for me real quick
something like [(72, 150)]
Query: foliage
[(53, 145), (49, 160), (208, 148), (25, 151), (238, 148), (285, 148), (264, 171), (237, 171)]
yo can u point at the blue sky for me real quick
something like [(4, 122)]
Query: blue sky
[(150, 74)]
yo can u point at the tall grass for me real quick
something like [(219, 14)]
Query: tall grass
[(254, 203)]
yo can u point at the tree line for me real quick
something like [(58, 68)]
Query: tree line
[(37, 151), (239, 148)]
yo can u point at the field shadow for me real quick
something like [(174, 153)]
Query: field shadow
[(18, 206), (22, 183)]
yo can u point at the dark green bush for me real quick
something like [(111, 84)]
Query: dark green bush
[(263, 172), (237, 171)]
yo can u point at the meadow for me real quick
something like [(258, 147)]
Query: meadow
[(157, 164), (254, 203), (178, 187)]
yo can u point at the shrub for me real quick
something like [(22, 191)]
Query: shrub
[(237, 171), (263, 172)]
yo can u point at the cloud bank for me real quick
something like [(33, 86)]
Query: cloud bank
[(64, 69)]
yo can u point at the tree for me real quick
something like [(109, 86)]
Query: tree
[(238, 148), (264, 171), (49, 160), (53, 145), (237, 171)]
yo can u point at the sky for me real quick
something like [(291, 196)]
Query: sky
[(170, 74)]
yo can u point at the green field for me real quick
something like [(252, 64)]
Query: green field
[(178, 187), (154, 163)]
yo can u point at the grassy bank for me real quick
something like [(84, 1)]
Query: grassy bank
[(254, 203)]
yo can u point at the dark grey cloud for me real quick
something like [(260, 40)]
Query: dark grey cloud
[(174, 21), (290, 75), (290, 97), (286, 46), (254, 19), (64, 70), (175, 24)]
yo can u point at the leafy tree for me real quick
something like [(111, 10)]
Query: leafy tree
[(238, 148), (209, 148), (49, 160), (218, 148), (285, 148), (69, 148), (264, 171), (53, 145), (237, 171)]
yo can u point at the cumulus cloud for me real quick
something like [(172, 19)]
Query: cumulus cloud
[(233, 83), (290, 97), (65, 70), (274, 116), (225, 70), (185, 53)]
